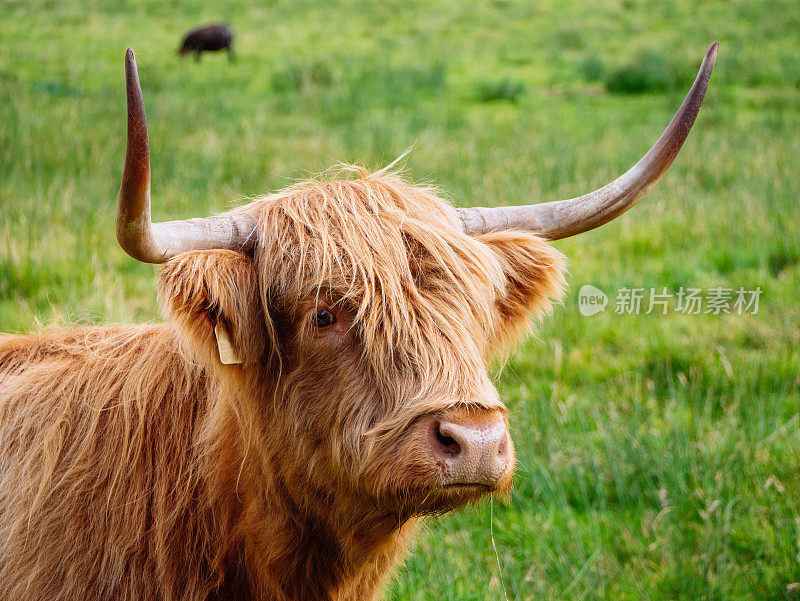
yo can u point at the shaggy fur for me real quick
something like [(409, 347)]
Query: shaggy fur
[(134, 465)]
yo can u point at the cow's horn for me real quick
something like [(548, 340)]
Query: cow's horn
[(564, 218), (158, 242)]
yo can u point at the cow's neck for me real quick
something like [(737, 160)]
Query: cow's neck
[(332, 549)]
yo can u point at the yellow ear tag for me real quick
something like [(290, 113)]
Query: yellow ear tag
[(227, 354)]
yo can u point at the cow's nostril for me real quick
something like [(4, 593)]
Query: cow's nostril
[(447, 444), (502, 447)]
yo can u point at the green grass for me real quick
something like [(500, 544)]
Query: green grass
[(658, 454)]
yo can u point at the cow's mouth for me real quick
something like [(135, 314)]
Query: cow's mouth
[(457, 494), (469, 487)]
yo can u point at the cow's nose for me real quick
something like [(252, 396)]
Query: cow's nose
[(474, 451)]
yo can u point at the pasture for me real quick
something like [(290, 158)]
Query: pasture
[(658, 453)]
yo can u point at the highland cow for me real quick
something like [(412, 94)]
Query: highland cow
[(210, 38), (320, 386)]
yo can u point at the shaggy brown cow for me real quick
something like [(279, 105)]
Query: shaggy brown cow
[(320, 385)]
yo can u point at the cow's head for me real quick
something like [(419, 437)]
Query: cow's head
[(354, 320)]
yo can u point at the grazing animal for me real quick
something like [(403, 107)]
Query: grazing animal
[(210, 38), (319, 387)]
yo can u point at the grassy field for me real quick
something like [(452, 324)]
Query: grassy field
[(658, 453)]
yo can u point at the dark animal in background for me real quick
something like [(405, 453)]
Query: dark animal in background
[(209, 38)]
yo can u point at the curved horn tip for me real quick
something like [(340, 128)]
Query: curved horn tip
[(130, 65), (710, 58), (130, 61), (707, 64)]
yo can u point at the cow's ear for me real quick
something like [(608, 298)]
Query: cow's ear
[(212, 296), (534, 273)]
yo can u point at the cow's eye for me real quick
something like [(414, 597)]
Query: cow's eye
[(323, 319)]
